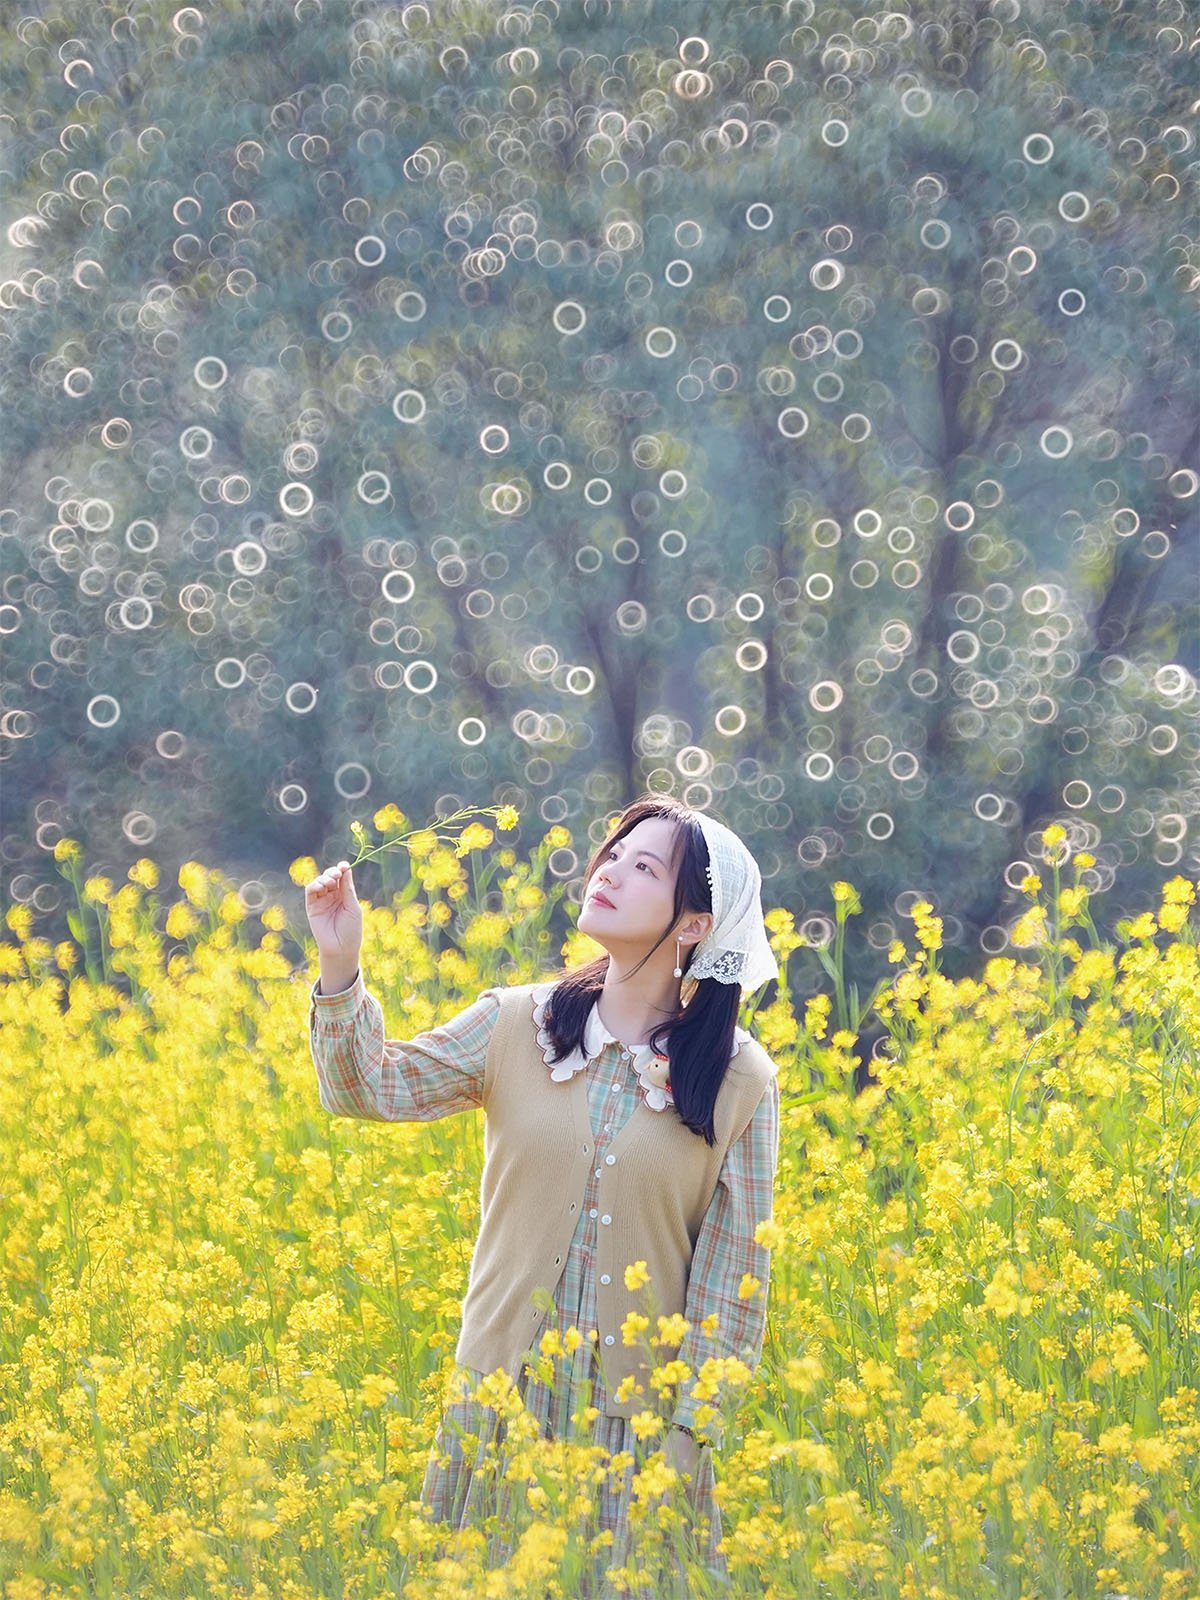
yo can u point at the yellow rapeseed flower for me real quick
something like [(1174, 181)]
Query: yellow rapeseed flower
[(673, 1329), (375, 1388), (507, 818), (97, 890), (1001, 1296), (928, 927), (669, 1375), (181, 920), (803, 1373), (1072, 901), (1030, 883), (634, 1325), (193, 880), (1154, 1453), (636, 1275), (389, 819), (145, 872), (1140, 927), (487, 931), (1029, 929), (440, 870), (769, 1234), (12, 963), (646, 1424), (473, 837), (879, 1378), (20, 919), (303, 870), (1178, 892), (748, 1286), (1054, 844), (578, 948), (231, 908), (777, 1026), (1171, 918), (816, 1014), (558, 837)]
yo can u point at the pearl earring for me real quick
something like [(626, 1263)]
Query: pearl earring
[(678, 969)]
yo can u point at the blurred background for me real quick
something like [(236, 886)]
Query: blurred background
[(789, 408)]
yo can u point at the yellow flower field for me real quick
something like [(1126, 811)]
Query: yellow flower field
[(227, 1319)]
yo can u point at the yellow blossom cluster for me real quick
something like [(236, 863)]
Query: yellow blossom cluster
[(976, 1286)]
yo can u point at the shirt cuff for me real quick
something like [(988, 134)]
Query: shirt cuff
[(339, 1007)]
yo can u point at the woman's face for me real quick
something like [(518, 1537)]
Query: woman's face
[(636, 876)]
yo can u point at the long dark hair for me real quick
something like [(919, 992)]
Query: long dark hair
[(699, 1039)]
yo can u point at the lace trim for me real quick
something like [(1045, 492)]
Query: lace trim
[(651, 1068), (725, 965)]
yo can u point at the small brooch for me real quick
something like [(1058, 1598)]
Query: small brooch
[(653, 1070)]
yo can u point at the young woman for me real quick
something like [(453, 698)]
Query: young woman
[(628, 1118)]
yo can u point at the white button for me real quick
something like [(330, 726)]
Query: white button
[(597, 1171), (605, 1277), (592, 1212), (608, 1127), (608, 1160), (616, 1088), (606, 1220), (608, 1338)]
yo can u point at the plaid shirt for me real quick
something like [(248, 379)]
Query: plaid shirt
[(363, 1074)]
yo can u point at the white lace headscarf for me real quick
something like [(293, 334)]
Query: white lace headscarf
[(736, 949)]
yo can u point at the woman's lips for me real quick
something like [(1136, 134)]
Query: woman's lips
[(600, 900)]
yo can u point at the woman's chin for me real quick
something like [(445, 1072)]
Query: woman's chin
[(586, 923)]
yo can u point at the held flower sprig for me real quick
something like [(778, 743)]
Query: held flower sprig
[(472, 836)]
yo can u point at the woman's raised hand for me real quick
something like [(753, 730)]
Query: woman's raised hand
[(335, 915)]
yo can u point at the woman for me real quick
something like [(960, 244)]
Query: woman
[(628, 1118)]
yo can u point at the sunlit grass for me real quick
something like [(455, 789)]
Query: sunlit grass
[(227, 1319)]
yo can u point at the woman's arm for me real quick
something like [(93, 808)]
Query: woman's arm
[(361, 1073), (725, 1251)]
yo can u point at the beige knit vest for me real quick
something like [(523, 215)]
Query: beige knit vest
[(656, 1183)]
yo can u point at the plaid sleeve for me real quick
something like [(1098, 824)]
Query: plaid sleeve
[(725, 1251), (360, 1073)]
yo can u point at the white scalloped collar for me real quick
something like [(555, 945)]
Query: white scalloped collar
[(650, 1068)]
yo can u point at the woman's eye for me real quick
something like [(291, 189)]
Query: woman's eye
[(612, 853)]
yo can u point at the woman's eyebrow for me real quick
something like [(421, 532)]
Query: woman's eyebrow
[(649, 853)]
